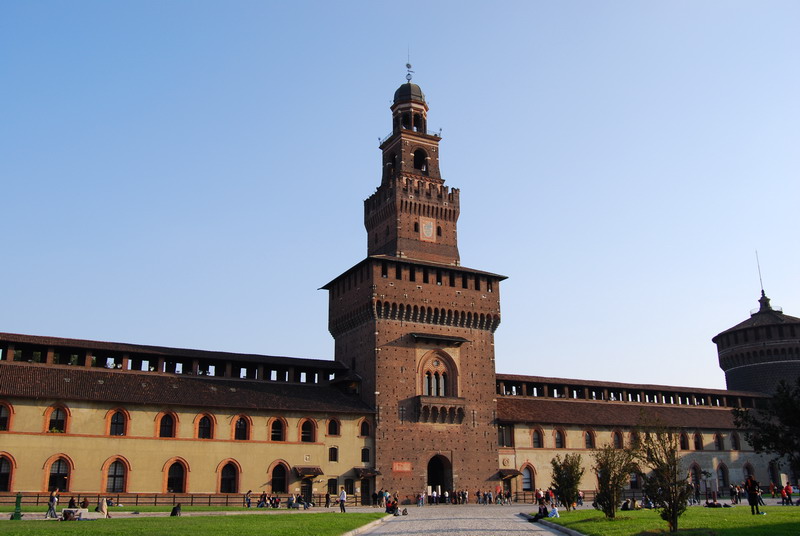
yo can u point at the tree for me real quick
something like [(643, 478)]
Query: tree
[(775, 428), (567, 475), (613, 467), (665, 484)]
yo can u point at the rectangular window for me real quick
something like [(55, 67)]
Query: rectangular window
[(452, 278), (332, 486), (384, 269), (365, 455), (489, 285), (477, 283), (412, 273), (464, 281), (505, 435), (398, 271), (424, 275)]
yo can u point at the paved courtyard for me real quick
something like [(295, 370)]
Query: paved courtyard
[(464, 520)]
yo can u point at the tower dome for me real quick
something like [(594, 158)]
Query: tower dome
[(409, 92), (759, 352)]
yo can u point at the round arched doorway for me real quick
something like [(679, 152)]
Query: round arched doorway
[(440, 474)]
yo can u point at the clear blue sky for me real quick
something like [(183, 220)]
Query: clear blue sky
[(189, 173)]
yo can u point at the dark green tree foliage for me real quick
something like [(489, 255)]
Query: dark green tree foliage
[(775, 428), (666, 482), (613, 468), (567, 475)]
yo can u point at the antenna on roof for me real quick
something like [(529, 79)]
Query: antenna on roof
[(408, 65), (759, 273)]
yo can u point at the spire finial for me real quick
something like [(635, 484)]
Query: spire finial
[(759, 274)]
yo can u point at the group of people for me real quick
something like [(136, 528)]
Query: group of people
[(69, 513)]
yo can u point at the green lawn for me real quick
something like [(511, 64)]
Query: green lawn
[(697, 521), (324, 524), (8, 508)]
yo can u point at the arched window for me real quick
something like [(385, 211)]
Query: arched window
[(166, 426), (5, 417), (176, 478), (527, 479), (277, 431), (333, 427), (279, 479), (748, 470), (333, 454), (636, 440), (5, 474), (115, 481), (588, 439), (684, 442), (421, 160), (365, 455), (696, 476), (437, 375), (229, 479), (365, 429), (735, 444), (722, 477), (538, 441), (117, 426), (205, 428), (559, 437), (698, 441), (58, 421), (719, 444), (59, 475), (307, 434), (616, 439), (241, 432)]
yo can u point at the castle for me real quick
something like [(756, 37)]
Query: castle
[(412, 401)]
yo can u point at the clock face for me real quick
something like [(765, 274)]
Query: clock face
[(427, 229)]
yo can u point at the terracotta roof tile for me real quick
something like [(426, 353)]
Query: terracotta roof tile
[(127, 387), (602, 413)]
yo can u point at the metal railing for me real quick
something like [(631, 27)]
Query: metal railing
[(434, 133)]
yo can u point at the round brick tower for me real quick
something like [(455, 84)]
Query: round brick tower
[(759, 352)]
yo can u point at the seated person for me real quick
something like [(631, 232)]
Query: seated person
[(85, 503), (72, 503), (541, 514), (176, 510), (626, 505), (553, 512)]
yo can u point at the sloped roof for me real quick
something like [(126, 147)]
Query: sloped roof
[(120, 347), (152, 388), (609, 414)]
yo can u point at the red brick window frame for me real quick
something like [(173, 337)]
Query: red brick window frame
[(106, 485), (698, 441), (6, 416), (617, 440), (528, 481), (719, 443), (227, 485), (537, 438), (334, 428), (113, 424), (8, 462), (684, 441), (437, 375), (364, 428), (307, 431), (275, 425), (205, 428), (286, 477), (49, 414), (241, 427), (168, 481), (48, 466), (559, 438), (174, 427), (589, 439)]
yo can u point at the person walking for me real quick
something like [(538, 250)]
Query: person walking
[(752, 487), (342, 500), (247, 498), (52, 503)]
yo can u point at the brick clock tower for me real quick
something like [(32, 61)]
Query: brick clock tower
[(416, 327)]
